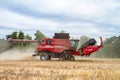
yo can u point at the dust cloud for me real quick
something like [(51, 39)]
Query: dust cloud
[(16, 54)]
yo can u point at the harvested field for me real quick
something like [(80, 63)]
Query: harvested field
[(80, 69)]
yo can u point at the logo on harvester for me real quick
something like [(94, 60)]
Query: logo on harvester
[(59, 47)]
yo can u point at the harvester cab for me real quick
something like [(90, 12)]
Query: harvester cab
[(74, 43)]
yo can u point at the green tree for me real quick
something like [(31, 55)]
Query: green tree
[(39, 35), (28, 37), (14, 35), (8, 36), (21, 35), (111, 48), (111, 40)]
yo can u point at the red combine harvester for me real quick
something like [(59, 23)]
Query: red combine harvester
[(60, 46)]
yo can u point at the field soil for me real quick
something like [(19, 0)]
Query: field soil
[(29, 68), (80, 69)]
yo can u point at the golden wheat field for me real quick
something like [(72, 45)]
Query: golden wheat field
[(80, 69)]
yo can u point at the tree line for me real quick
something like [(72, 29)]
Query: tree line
[(111, 48), (21, 35)]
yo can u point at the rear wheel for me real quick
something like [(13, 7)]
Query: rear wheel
[(45, 56)]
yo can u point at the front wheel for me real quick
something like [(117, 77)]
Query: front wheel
[(44, 56)]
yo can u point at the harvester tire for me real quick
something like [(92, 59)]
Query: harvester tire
[(66, 56), (44, 56)]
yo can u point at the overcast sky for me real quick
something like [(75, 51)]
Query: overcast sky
[(92, 18)]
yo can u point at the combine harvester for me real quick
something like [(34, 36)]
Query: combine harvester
[(62, 47)]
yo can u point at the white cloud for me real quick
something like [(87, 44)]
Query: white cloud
[(92, 8), (11, 19), (21, 22), (68, 7)]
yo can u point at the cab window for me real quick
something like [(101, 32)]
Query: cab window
[(48, 42)]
